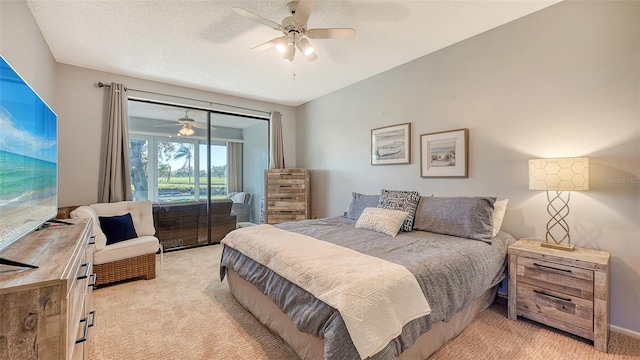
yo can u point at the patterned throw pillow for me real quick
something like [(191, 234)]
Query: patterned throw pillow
[(406, 201), (381, 220)]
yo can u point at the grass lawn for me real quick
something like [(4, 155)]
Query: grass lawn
[(183, 182)]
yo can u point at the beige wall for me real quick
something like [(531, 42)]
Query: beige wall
[(561, 82)]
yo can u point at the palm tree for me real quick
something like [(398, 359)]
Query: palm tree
[(137, 166), (185, 151)]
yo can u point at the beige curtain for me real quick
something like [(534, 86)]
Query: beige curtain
[(116, 183), (234, 163), (276, 153)]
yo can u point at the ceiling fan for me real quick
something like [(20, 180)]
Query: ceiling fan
[(188, 124), (294, 28)]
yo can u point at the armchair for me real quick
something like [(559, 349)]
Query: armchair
[(241, 205), (128, 259)]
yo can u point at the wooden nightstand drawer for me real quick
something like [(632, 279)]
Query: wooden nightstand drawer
[(554, 305), (557, 277)]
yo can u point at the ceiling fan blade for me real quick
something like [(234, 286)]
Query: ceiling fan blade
[(303, 11), (256, 18), (264, 46), (201, 125), (331, 33)]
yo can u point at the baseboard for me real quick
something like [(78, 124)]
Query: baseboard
[(624, 331)]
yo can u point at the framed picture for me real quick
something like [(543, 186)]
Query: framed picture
[(444, 154), (391, 145)]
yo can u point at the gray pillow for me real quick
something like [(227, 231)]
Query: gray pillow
[(406, 201), (359, 202), (467, 217)]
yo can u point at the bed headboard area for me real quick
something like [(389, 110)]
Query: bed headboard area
[(473, 217)]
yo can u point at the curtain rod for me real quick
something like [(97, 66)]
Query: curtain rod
[(101, 84)]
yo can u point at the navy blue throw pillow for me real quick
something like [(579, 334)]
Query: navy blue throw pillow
[(117, 228)]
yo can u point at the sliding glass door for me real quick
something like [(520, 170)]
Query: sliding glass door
[(176, 161)]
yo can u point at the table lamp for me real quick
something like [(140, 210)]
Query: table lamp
[(558, 176)]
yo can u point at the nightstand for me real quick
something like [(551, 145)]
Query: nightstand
[(568, 290)]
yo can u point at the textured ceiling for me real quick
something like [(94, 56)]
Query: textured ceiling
[(205, 45)]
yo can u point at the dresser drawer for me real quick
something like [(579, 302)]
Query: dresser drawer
[(76, 304), (280, 217), (290, 187), (555, 306), (286, 203), (287, 173), (564, 279)]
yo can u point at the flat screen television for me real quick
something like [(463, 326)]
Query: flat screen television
[(28, 159)]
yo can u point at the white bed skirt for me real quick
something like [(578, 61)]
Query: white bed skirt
[(309, 347)]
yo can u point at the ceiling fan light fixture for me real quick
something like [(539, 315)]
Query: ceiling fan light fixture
[(186, 131), (305, 46), (281, 44), (290, 53)]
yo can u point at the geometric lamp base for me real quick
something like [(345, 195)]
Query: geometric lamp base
[(560, 246), (557, 227)]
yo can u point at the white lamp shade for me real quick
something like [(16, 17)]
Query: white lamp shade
[(559, 174)]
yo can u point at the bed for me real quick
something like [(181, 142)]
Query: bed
[(457, 276)]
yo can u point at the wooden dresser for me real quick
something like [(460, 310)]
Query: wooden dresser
[(287, 195), (46, 313), (568, 290)]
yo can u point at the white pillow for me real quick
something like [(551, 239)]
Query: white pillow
[(499, 208), (382, 220)]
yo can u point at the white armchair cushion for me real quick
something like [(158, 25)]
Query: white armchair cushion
[(127, 249)]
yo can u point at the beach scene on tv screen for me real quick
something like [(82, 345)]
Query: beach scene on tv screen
[(28, 158)]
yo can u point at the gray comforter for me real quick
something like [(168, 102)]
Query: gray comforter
[(451, 271)]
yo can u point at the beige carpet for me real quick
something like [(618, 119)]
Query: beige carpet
[(187, 313)]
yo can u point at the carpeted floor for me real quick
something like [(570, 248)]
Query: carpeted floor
[(187, 313)]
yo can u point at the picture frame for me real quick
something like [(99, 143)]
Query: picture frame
[(445, 154), (391, 145)]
